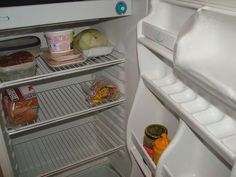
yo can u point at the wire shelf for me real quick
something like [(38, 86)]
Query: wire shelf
[(47, 73), (65, 149), (63, 103)]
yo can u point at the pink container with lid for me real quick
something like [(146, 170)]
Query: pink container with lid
[(59, 41)]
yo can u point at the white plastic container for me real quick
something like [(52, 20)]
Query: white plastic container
[(30, 44), (17, 65), (59, 41), (17, 71), (97, 51)]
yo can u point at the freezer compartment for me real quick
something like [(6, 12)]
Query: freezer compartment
[(69, 145)]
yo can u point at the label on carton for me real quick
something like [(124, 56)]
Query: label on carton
[(27, 92), (21, 93), (12, 94)]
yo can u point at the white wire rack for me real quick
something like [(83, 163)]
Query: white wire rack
[(63, 103), (47, 73), (48, 154)]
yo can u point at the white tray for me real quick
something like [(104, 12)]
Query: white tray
[(98, 51), (54, 64)]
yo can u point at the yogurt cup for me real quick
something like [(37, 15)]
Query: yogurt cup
[(59, 41)]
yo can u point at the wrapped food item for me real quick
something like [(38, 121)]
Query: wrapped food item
[(89, 38), (101, 91), (20, 105), (92, 43)]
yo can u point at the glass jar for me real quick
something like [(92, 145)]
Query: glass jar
[(153, 132)]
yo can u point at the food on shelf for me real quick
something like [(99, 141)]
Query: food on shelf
[(92, 43), (17, 65), (59, 61), (60, 47), (59, 41), (102, 91), (64, 56), (89, 38), (20, 105), (30, 44), (16, 59)]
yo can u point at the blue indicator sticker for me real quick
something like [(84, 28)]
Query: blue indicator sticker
[(4, 18), (121, 7)]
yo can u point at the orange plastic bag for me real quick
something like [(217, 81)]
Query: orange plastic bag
[(159, 146)]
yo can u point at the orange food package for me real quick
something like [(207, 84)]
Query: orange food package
[(159, 146), (20, 105)]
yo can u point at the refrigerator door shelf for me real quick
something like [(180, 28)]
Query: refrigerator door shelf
[(190, 156), (163, 51), (201, 115), (144, 159), (159, 30), (214, 129), (186, 155), (147, 110)]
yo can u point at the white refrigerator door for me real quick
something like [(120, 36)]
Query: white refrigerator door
[(164, 99)]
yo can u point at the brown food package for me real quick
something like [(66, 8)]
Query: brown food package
[(16, 59), (20, 105)]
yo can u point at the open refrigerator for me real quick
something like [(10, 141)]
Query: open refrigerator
[(71, 138)]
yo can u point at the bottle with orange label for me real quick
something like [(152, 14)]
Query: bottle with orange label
[(159, 146)]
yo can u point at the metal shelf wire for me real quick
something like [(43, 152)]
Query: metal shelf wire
[(63, 103), (58, 151), (47, 73)]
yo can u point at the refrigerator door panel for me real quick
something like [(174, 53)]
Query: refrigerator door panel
[(197, 143)]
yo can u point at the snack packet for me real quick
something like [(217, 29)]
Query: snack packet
[(102, 91)]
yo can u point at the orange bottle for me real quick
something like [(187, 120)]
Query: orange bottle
[(159, 146)]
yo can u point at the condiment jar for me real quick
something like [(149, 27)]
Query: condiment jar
[(159, 146), (153, 132)]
